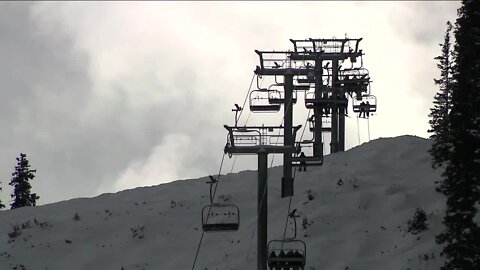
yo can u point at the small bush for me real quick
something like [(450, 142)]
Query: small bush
[(76, 217), (26, 225), (16, 231), (418, 223)]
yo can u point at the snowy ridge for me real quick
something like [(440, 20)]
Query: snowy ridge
[(358, 223)]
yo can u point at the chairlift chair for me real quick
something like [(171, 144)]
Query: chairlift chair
[(259, 101), (367, 104), (311, 101), (278, 97), (220, 217), (326, 124), (306, 161), (287, 254)]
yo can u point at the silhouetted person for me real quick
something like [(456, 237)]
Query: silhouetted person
[(362, 110), (272, 264), (299, 259), (291, 263), (303, 163), (282, 264), (212, 179)]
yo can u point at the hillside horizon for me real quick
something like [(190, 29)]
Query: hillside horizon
[(356, 223)]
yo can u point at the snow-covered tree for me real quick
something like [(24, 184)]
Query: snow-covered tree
[(21, 184), (461, 183), (439, 123)]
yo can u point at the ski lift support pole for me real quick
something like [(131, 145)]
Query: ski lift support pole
[(262, 152)]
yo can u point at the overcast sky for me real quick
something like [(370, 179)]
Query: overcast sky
[(104, 96)]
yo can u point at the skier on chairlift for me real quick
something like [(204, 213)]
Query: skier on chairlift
[(362, 110), (291, 263), (271, 264), (299, 256), (212, 179)]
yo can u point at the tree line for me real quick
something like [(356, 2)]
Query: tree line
[(455, 127)]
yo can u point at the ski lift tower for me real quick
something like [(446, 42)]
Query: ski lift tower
[(301, 70), (259, 140), (329, 92), (263, 140)]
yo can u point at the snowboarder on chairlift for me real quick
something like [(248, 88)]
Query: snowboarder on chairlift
[(303, 163)]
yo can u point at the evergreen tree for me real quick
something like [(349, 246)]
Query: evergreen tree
[(439, 123), (21, 186), (1, 204), (461, 183)]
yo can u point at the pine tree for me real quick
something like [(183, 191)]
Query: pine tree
[(461, 183), (1, 204), (21, 186), (439, 123)]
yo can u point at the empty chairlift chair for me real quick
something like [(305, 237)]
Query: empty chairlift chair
[(259, 101), (278, 97), (220, 218), (326, 124)]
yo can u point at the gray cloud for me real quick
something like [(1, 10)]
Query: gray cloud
[(44, 86), (75, 140), (105, 96)]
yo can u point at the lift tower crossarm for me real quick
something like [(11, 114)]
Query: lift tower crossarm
[(262, 150), (311, 43), (310, 56), (281, 71), (249, 139)]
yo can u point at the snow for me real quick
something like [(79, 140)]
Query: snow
[(360, 224)]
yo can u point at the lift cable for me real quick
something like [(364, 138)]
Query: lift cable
[(368, 124), (271, 164), (212, 196), (283, 120), (290, 200), (358, 130), (268, 175), (246, 97)]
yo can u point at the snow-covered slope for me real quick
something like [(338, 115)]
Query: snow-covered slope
[(358, 225)]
